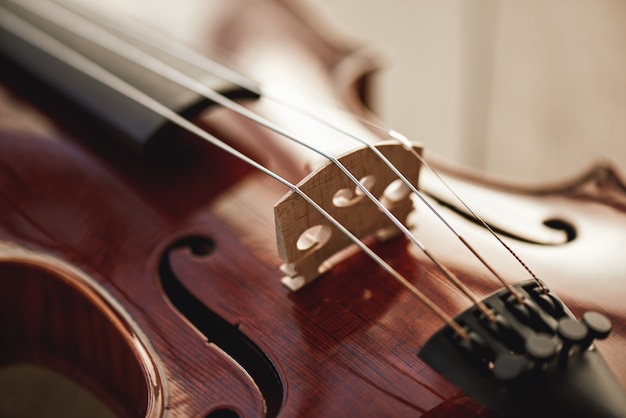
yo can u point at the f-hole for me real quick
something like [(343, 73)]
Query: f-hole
[(218, 331)]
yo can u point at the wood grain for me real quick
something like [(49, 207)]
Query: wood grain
[(344, 346)]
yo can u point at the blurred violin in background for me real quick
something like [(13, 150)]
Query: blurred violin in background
[(224, 229)]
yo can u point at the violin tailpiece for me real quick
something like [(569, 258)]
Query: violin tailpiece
[(537, 359), (307, 240)]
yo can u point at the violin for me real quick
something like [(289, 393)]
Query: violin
[(226, 230)]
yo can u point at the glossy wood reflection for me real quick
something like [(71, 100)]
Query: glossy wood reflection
[(153, 278)]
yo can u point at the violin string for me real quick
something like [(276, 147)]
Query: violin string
[(159, 41), (408, 146), (94, 33), (42, 40), (392, 134), (166, 44)]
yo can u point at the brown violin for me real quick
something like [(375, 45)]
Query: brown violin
[(224, 230)]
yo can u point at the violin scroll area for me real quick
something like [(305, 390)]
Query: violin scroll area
[(536, 359), (307, 240)]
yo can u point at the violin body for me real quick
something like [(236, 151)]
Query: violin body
[(152, 279)]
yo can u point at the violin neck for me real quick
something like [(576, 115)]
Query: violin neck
[(92, 77)]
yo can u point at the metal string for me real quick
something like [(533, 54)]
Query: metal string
[(176, 49), (42, 40), (106, 39)]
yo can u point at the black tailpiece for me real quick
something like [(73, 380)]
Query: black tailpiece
[(537, 360)]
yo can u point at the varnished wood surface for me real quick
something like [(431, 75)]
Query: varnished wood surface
[(344, 346), (54, 316)]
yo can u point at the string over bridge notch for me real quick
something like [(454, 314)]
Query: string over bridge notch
[(305, 238)]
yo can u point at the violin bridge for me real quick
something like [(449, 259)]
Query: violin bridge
[(307, 241)]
